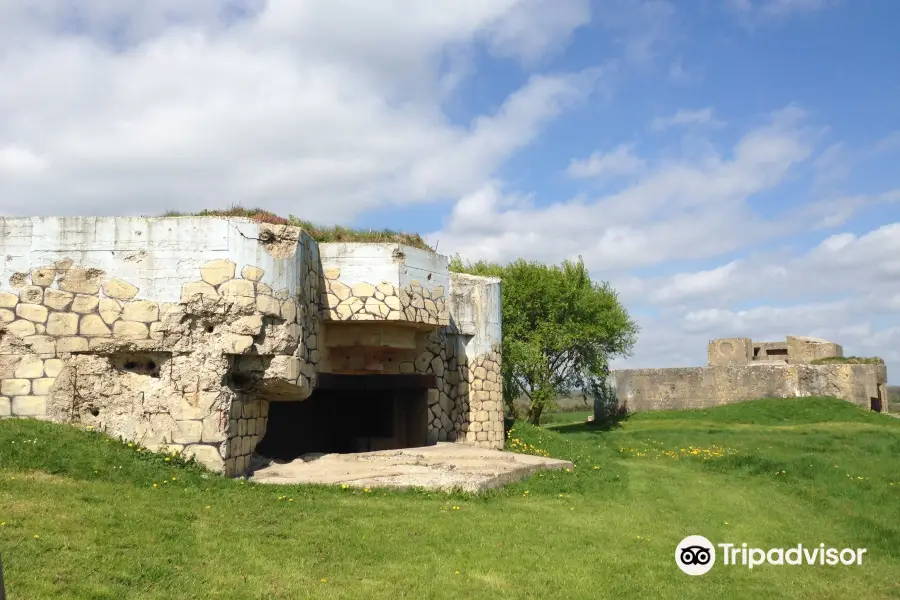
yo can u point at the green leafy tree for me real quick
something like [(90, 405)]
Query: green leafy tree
[(560, 330)]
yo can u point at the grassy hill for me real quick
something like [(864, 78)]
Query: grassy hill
[(83, 516)]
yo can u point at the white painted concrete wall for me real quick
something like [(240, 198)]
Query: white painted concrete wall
[(475, 309), (158, 255), (374, 263)]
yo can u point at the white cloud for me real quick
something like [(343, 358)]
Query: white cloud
[(842, 289), (832, 166), (771, 10), (701, 283), (678, 209), (135, 107), (701, 116), (617, 162)]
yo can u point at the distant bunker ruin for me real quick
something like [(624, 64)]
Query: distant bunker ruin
[(740, 369), (249, 346)]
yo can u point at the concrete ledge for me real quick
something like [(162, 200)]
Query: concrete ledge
[(444, 467)]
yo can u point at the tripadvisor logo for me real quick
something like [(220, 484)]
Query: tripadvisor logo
[(696, 555)]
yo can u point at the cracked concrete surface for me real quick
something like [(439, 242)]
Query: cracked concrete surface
[(445, 467)]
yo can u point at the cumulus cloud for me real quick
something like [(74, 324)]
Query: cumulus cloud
[(691, 210), (845, 288), (700, 116), (619, 161), (321, 108)]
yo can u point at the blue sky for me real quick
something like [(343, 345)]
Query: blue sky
[(730, 166)]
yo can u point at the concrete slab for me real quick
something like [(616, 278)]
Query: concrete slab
[(444, 466)]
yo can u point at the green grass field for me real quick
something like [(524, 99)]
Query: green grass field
[(85, 517)]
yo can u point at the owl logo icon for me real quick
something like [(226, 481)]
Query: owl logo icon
[(695, 555)]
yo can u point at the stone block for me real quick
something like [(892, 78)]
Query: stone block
[(332, 273), (29, 406), (93, 326), (58, 299), (31, 294), (62, 324), (237, 287), (41, 344), (141, 311), (84, 304), (15, 387), (8, 300), (5, 407), (289, 310), (53, 367), (236, 344), (130, 330), (208, 456), (251, 325), (29, 367), (119, 290), (268, 305), (41, 387), (217, 272), (363, 290), (211, 432), (7, 316), (110, 310), (187, 432), (81, 281), (198, 290), (72, 344), (35, 313), (437, 366), (252, 273), (340, 291)]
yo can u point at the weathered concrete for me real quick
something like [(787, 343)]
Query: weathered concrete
[(441, 467), (178, 332), (794, 350), (741, 369)]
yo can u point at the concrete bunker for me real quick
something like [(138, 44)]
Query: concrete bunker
[(740, 369), (349, 414), (223, 339)]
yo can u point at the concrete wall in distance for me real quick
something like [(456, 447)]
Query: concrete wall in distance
[(802, 350), (703, 387), (730, 351)]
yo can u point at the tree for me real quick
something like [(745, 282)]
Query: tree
[(560, 330)]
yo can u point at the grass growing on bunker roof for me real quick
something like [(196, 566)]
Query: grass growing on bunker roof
[(848, 360), (84, 516), (320, 233)]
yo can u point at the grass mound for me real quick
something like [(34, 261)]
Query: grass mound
[(83, 516), (319, 233)]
